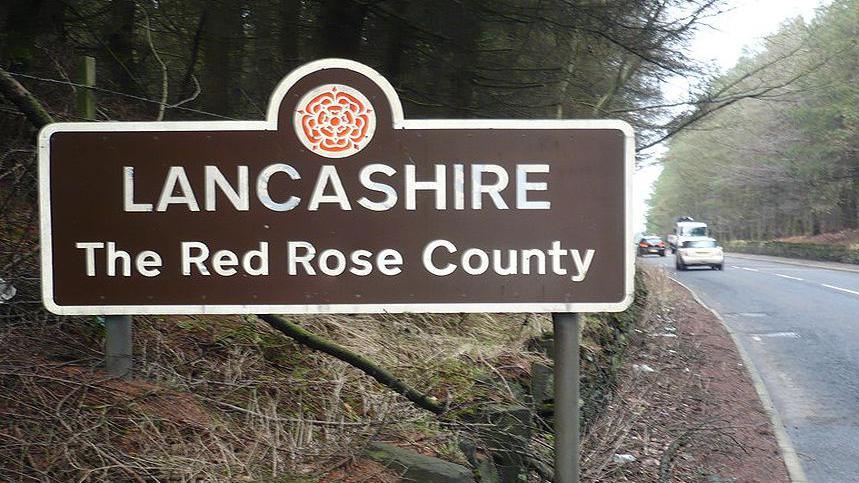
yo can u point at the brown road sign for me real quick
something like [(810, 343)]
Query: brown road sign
[(335, 203)]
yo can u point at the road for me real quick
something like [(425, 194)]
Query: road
[(800, 327)]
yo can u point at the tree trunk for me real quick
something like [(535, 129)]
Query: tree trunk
[(465, 29), (569, 73), (264, 54), (398, 44), (223, 44), (290, 19), (117, 52), (341, 25), (849, 207), (186, 86)]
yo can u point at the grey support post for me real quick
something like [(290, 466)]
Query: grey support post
[(567, 337), (117, 345)]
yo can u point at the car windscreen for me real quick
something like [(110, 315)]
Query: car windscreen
[(699, 244), (653, 239), (696, 231)]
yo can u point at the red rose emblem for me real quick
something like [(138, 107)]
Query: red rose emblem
[(335, 123)]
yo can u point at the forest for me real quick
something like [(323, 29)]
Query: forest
[(189, 59), (782, 160)]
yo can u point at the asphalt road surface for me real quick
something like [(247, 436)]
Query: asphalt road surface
[(800, 327)]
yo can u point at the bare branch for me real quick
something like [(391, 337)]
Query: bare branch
[(24, 101)]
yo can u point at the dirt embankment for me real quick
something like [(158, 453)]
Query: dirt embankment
[(841, 247), (228, 399), (843, 238), (686, 409)]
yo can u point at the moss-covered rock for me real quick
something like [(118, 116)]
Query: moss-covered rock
[(417, 467)]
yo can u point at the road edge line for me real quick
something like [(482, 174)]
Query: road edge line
[(800, 262), (788, 452)]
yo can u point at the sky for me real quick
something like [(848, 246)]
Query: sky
[(742, 25)]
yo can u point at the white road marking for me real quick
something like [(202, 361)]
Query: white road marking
[(833, 287), (790, 335), (750, 269), (734, 266), (787, 276)]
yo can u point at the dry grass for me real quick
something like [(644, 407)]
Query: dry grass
[(228, 399)]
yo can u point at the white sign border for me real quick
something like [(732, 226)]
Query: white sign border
[(270, 124)]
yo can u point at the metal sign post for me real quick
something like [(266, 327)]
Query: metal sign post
[(117, 345), (566, 371)]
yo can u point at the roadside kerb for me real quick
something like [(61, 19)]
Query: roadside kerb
[(789, 454), (842, 267)]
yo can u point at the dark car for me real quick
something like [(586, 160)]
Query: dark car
[(651, 244)]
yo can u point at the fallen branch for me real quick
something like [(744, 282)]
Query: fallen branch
[(24, 101), (369, 367)]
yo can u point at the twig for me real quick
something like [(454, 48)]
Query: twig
[(671, 451), (191, 97), (164, 85)]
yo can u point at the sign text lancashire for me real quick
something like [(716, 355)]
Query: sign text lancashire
[(335, 203)]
